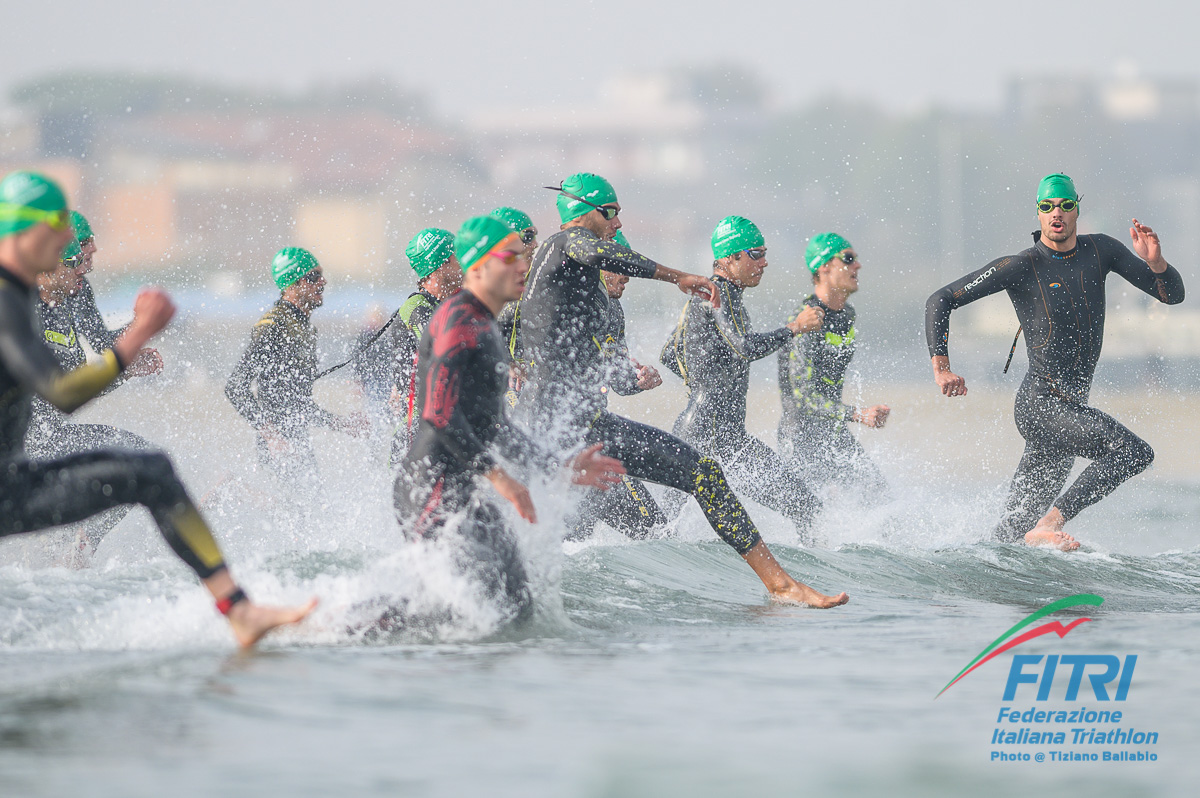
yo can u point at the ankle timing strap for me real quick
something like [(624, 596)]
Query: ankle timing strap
[(226, 604)]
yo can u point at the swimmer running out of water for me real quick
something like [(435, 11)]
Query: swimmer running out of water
[(34, 229), (1057, 289)]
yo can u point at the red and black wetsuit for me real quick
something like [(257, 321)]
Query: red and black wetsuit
[(1059, 298), (462, 371)]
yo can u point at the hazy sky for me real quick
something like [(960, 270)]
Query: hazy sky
[(468, 55)]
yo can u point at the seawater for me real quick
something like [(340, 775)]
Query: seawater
[(650, 669)]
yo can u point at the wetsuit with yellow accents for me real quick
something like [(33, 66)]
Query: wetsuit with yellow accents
[(629, 508), (713, 348), (563, 317), (37, 495), (272, 387), (1060, 302), (813, 434), (414, 315), (51, 434)]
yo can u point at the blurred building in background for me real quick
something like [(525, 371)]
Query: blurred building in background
[(186, 181)]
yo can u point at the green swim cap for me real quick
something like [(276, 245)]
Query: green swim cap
[(429, 250), (290, 264), (593, 188), (71, 250), (823, 247), (620, 238), (1057, 186), (733, 234), (24, 199), (478, 236), (83, 230), (517, 221)]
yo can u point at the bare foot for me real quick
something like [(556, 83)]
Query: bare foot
[(251, 622), (1049, 532), (1048, 536), (800, 593)]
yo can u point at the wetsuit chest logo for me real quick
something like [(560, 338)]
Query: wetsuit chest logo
[(1056, 285)]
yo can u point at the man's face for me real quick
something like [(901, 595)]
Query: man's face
[(1058, 225), (310, 288), (503, 272), (41, 246), (839, 275), (450, 276), (743, 269), (615, 283), (605, 228), (54, 286), (88, 248)]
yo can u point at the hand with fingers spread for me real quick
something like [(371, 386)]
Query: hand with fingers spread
[(592, 468), (1146, 245)]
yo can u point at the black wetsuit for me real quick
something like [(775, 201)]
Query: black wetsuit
[(37, 495), (563, 316), (629, 508), (272, 386), (1060, 302), (813, 432), (712, 350), (414, 318), (88, 321), (462, 370), (51, 435)]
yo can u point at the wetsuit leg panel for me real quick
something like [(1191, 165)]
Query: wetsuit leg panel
[(1117, 454), (653, 455), (627, 507), (1039, 477), (37, 495)]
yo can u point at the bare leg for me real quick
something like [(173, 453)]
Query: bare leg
[(251, 621), (782, 586), (1049, 532)]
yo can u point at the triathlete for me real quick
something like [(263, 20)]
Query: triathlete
[(561, 317), (509, 319), (88, 321), (1057, 289), (272, 385), (431, 255), (462, 372), (629, 508), (813, 434), (712, 348), (51, 434), (34, 229)]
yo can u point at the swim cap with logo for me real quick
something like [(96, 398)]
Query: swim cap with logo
[(823, 247), (21, 192), (593, 188), (478, 236), (290, 264), (734, 234), (429, 250)]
